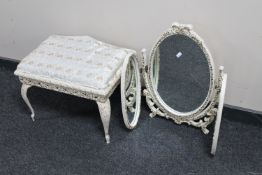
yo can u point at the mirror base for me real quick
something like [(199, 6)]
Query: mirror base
[(206, 117)]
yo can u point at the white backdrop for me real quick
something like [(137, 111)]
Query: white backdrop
[(232, 30)]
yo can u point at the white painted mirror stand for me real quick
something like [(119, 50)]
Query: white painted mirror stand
[(211, 106)]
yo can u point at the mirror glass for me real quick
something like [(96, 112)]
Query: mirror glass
[(181, 74)]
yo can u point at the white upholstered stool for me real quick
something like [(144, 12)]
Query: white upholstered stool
[(76, 65)]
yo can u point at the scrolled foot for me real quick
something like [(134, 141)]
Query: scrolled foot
[(107, 139), (205, 130), (33, 117), (152, 115), (105, 112)]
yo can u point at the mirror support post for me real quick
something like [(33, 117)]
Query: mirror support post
[(223, 77)]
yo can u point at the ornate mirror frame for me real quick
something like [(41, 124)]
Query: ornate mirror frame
[(206, 112), (131, 96)]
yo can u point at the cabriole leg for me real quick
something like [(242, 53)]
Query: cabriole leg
[(105, 112), (24, 89)]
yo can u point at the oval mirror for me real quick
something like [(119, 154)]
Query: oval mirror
[(130, 92), (180, 80), (181, 72)]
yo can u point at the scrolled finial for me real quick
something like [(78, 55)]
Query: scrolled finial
[(143, 51), (189, 26), (182, 26), (144, 58), (221, 68), (175, 24)]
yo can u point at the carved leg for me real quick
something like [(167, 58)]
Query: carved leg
[(105, 112), (24, 89)]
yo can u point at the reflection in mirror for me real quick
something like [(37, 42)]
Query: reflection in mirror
[(183, 73), (156, 68)]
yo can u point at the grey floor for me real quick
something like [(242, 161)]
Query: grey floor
[(67, 138)]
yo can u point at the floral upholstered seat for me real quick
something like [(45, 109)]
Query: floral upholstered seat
[(79, 60)]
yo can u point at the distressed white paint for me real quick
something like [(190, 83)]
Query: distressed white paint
[(231, 29)]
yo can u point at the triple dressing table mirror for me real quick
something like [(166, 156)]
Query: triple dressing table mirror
[(181, 83)]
